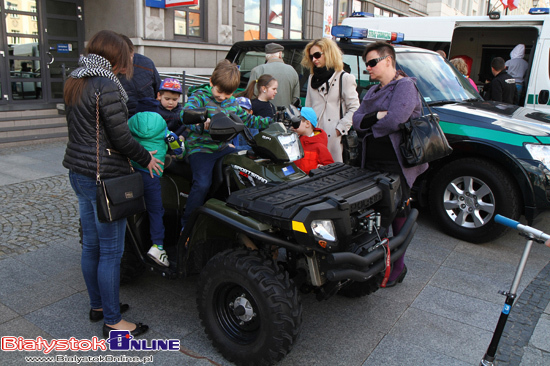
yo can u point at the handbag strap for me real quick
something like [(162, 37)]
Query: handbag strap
[(424, 103), (340, 90), (98, 177)]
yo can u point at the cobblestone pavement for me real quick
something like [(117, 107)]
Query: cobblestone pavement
[(35, 213)]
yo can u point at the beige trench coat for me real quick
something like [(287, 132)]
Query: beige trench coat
[(326, 105)]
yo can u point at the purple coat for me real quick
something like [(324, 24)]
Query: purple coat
[(400, 98)]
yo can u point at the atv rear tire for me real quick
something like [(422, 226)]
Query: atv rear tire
[(249, 308), (131, 266)]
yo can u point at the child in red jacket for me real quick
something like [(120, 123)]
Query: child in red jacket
[(314, 141)]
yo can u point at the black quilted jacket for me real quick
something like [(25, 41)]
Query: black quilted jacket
[(80, 155), (144, 84)]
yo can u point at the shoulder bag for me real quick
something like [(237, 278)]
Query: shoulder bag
[(118, 197), (350, 141), (423, 139)]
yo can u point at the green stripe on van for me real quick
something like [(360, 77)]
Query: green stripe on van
[(486, 134)]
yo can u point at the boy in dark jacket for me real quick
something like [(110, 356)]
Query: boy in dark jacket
[(203, 151), (314, 141), (170, 109)]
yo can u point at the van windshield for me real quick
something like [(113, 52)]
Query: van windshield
[(437, 80)]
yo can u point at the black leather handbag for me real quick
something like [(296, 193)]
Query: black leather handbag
[(350, 141), (117, 197), (423, 139)]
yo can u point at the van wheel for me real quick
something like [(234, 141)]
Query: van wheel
[(465, 196), (249, 308)]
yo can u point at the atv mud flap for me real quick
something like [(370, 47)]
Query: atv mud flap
[(372, 263)]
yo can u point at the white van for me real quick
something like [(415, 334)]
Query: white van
[(481, 39)]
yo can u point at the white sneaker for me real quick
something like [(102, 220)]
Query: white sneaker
[(159, 256)]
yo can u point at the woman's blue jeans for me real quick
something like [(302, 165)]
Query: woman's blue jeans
[(102, 248)]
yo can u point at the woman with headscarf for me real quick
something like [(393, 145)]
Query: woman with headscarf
[(92, 92)]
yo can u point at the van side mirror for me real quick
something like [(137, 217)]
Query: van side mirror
[(544, 95)]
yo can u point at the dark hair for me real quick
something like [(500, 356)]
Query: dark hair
[(128, 41), (263, 80), (226, 77), (498, 64), (383, 49), (112, 47)]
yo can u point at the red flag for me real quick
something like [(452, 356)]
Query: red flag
[(511, 4)]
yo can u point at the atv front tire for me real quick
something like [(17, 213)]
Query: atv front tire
[(249, 308)]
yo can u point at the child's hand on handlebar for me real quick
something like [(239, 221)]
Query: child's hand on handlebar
[(207, 124)]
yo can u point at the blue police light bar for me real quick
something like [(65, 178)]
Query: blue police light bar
[(361, 14), (347, 32), (537, 11)]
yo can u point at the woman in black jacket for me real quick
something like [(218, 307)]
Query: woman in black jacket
[(102, 243)]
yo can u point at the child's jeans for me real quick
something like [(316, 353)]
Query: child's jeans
[(202, 166), (155, 210)]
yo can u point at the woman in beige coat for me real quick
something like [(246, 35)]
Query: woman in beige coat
[(324, 59)]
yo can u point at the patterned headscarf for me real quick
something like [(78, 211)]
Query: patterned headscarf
[(95, 65)]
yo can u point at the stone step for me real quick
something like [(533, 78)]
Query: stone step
[(19, 127)]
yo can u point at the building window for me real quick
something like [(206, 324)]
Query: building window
[(273, 19), (188, 21), (12, 6)]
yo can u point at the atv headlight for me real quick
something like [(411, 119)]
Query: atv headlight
[(323, 229), (540, 153), (291, 145)]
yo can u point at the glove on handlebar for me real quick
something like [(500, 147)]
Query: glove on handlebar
[(194, 116)]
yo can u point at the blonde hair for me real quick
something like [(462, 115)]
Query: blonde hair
[(331, 51), (460, 65)]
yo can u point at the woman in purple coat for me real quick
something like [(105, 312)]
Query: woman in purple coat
[(383, 109)]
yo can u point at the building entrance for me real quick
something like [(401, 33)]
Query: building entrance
[(39, 39)]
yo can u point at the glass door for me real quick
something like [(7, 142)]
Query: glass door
[(21, 52), (63, 41)]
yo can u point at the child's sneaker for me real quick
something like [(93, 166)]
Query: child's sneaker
[(158, 256)]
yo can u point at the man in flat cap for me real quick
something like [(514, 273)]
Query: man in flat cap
[(286, 76)]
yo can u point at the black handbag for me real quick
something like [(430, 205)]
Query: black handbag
[(118, 197), (423, 139), (350, 141)]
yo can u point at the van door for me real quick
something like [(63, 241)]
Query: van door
[(482, 42), (538, 90)]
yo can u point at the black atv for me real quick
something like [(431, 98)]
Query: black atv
[(267, 231)]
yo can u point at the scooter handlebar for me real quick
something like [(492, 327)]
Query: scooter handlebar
[(537, 234), (499, 219)]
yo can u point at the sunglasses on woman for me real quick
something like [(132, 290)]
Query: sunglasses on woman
[(372, 63), (316, 55)]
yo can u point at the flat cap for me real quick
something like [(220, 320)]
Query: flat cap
[(273, 48)]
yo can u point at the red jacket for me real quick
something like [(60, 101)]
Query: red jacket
[(315, 151)]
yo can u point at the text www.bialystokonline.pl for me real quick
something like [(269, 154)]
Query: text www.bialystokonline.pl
[(82, 359)]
